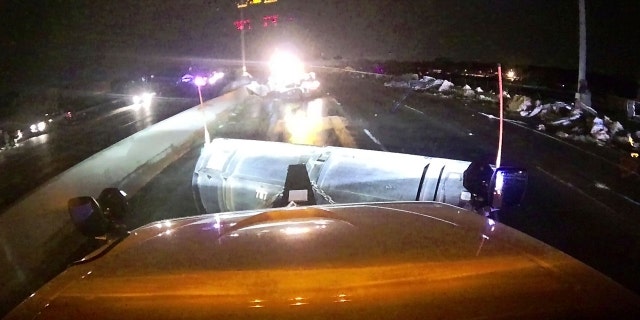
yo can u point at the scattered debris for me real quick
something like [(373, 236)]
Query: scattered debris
[(599, 131), (446, 86), (468, 92), (519, 103), (565, 120)]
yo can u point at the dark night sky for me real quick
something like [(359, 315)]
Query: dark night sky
[(41, 36)]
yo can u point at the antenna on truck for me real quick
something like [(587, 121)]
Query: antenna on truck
[(499, 155)]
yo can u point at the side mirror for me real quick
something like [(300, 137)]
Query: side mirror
[(507, 187), (87, 216), (114, 203), (476, 179)]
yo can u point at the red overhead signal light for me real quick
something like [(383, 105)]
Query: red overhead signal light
[(242, 24)]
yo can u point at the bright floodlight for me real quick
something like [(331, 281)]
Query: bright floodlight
[(143, 99), (285, 68), (200, 81)]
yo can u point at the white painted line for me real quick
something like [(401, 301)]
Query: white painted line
[(506, 120), (603, 186), (570, 185), (416, 110), (375, 140), (598, 185)]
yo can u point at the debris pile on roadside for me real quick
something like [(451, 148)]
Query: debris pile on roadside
[(569, 122), (558, 118), (439, 87)]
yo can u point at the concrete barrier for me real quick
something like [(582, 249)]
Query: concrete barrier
[(36, 233)]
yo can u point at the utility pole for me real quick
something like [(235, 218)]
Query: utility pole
[(244, 63), (242, 4), (583, 96)]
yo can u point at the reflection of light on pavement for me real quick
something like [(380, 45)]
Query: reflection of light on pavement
[(304, 126), (143, 115), (43, 138)]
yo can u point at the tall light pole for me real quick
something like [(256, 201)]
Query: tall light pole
[(583, 96), (199, 82), (241, 5), (244, 63)]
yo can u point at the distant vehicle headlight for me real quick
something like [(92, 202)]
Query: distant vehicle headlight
[(38, 127), (143, 99)]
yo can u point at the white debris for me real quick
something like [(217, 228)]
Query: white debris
[(427, 79), (616, 127), (613, 126), (484, 98), (468, 92), (599, 131), (258, 89), (541, 127), (558, 106), (479, 90), (562, 134), (526, 104), (506, 94), (446, 86), (533, 112), (567, 120)]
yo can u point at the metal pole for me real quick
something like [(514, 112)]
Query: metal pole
[(244, 65), (581, 92)]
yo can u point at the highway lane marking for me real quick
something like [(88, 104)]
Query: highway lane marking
[(524, 126), (603, 186), (490, 116), (374, 139), (416, 110), (571, 186), (621, 217)]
